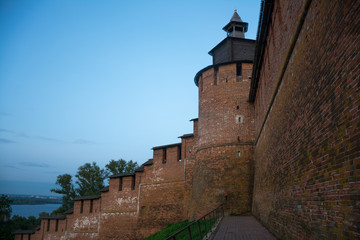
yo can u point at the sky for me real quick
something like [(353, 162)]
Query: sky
[(84, 81)]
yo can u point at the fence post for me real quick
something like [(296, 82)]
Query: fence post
[(199, 229), (190, 233), (205, 224)]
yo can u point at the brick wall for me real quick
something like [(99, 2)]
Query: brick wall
[(119, 208), (222, 99), (307, 155), (223, 166)]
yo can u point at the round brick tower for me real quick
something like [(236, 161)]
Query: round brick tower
[(223, 170)]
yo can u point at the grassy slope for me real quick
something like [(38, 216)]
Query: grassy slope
[(173, 228)]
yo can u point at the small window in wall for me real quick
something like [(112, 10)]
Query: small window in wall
[(216, 76), (91, 205), (82, 206), (57, 225), (48, 225), (179, 153), (238, 72), (22, 236), (120, 184), (238, 153), (239, 29), (29, 237), (133, 182), (239, 118), (164, 156)]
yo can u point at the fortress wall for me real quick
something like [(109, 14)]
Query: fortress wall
[(119, 208), (162, 192), (160, 203), (170, 168), (84, 220), (53, 229), (221, 175), (187, 147), (222, 99), (307, 183), (285, 17), (122, 195), (36, 235), (223, 166)]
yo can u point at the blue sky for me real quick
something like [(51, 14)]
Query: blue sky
[(84, 81)]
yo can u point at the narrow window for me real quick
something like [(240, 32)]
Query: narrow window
[(179, 153), (164, 155), (91, 205), (216, 77), (120, 184), (239, 153), (82, 206), (57, 225), (237, 107), (239, 29), (239, 119), (29, 237), (238, 72), (48, 225), (22, 235), (133, 182)]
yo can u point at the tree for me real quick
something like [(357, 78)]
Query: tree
[(120, 166), (5, 208), (66, 190), (131, 166), (43, 214), (90, 179)]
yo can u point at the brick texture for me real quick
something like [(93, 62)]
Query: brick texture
[(223, 166), (307, 156)]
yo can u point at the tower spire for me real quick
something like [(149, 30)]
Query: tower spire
[(236, 27)]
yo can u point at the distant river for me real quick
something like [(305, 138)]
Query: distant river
[(33, 210)]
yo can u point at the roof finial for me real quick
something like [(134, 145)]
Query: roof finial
[(235, 10)]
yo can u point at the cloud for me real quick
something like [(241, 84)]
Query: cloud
[(52, 172), (6, 130), (4, 140), (32, 164), (23, 135), (9, 166), (83, 141)]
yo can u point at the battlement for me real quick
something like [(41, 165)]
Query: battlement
[(124, 200)]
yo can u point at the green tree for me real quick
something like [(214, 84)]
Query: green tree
[(115, 167), (44, 214), (131, 166), (67, 191), (90, 179), (120, 166), (5, 207)]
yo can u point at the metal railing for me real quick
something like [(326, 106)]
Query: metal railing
[(214, 215)]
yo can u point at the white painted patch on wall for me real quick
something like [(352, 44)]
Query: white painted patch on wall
[(85, 222), (126, 200)]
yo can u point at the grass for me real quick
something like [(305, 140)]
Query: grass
[(173, 228)]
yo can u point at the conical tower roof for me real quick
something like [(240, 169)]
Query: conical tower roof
[(236, 21), (235, 17)]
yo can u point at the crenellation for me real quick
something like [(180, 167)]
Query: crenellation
[(277, 138)]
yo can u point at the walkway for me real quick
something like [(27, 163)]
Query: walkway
[(243, 227)]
